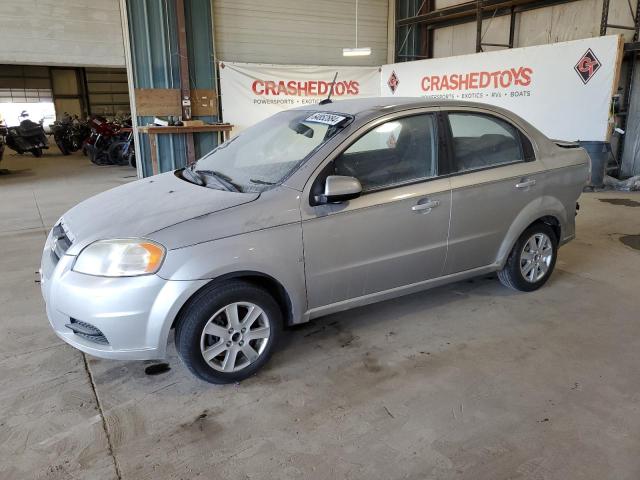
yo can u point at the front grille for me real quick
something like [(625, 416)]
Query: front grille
[(60, 241), (87, 331)]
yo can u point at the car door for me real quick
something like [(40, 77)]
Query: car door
[(494, 176), (395, 233)]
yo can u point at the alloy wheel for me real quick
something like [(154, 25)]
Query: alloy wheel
[(235, 337), (536, 257)]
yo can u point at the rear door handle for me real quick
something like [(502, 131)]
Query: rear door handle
[(525, 184), (426, 206)]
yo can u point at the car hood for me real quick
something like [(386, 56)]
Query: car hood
[(143, 207)]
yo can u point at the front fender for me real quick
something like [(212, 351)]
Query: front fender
[(536, 209), (274, 252)]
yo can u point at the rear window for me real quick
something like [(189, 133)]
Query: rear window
[(481, 141)]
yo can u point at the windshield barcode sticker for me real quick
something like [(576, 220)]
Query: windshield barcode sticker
[(326, 118)]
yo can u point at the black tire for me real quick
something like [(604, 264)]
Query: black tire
[(512, 276), (37, 152), (63, 148), (200, 310), (99, 157), (115, 153)]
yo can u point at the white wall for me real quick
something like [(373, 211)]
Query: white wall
[(304, 32), (61, 33)]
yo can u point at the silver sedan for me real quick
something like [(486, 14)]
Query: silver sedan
[(312, 211)]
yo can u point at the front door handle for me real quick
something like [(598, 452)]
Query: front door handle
[(426, 206), (526, 183)]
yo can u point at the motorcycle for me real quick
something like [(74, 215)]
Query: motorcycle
[(105, 135), (3, 134), (28, 137), (70, 133), (122, 152)]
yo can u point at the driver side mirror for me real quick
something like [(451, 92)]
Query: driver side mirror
[(339, 188)]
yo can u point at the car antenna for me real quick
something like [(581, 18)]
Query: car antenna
[(328, 99)]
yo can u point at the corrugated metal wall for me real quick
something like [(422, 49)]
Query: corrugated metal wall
[(202, 69), (154, 49), (279, 31), (557, 23), (107, 91), (305, 32), (409, 38), (154, 56)]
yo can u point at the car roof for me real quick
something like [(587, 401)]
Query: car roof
[(357, 106), (365, 109)]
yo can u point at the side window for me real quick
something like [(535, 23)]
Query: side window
[(481, 141), (396, 152)]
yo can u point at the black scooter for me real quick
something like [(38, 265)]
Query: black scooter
[(28, 137)]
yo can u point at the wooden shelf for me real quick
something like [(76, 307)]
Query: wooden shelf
[(216, 127), (153, 131)]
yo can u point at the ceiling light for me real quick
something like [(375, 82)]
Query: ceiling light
[(356, 52)]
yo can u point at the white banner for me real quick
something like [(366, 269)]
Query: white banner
[(563, 89), (253, 92)]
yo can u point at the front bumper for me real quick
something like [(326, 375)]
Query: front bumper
[(133, 313)]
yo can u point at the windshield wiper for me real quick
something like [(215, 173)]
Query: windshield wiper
[(192, 176), (221, 178), (257, 181)]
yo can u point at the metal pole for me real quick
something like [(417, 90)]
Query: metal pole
[(128, 60), (512, 28), (605, 17), (636, 22), (478, 25), (185, 91)]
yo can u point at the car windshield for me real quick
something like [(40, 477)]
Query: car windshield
[(265, 154)]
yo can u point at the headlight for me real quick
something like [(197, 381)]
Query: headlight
[(120, 258)]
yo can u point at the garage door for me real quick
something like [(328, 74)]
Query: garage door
[(304, 32), (68, 33)]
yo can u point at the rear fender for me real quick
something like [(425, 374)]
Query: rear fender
[(538, 208)]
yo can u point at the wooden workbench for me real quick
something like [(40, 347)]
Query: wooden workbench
[(153, 131)]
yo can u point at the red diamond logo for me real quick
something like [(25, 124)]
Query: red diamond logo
[(587, 66), (393, 82)]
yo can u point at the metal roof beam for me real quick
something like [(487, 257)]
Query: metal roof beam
[(466, 12)]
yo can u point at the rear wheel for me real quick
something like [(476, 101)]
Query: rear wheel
[(37, 152), (228, 332), (532, 259)]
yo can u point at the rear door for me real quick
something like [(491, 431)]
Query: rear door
[(395, 233), (494, 176)]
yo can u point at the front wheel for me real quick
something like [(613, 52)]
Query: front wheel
[(116, 153), (228, 332), (37, 152), (64, 149), (532, 259)]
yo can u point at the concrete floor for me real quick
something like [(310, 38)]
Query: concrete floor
[(468, 381)]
